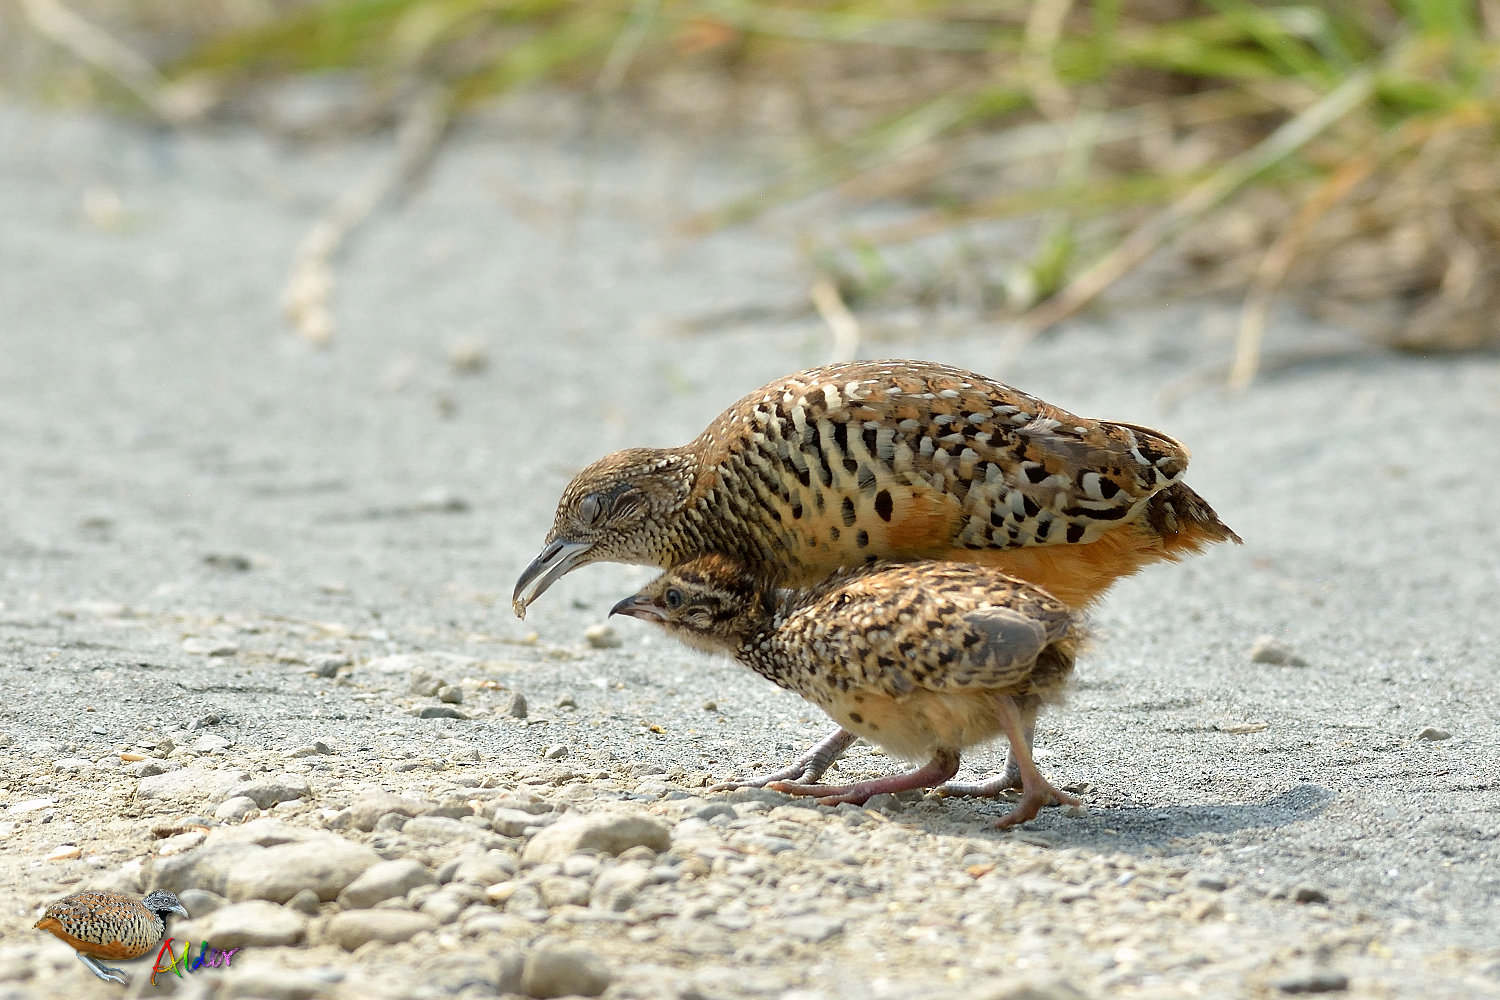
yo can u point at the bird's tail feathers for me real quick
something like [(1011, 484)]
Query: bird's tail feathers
[(1185, 521)]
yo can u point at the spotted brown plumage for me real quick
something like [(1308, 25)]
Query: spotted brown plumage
[(109, 925), (902, 460), (925, 659), (839, 466)]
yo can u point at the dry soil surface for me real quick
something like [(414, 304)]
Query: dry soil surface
[(256, 645)]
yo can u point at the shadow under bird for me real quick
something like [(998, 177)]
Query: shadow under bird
[(111, 925), (922, 659), (840, 466)]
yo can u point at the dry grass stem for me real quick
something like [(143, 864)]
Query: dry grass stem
[(841, 322), (1198, 202), (97, 48), (306, 298), (1278, 261)]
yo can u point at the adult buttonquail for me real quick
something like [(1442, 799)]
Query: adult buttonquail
[(924, 659), (903, 460), (109, 925)]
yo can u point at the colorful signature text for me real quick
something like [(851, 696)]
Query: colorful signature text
[(207, 958)]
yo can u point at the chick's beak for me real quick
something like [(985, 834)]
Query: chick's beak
[(639, 606), (559, 557)]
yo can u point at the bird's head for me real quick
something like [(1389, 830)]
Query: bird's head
[(161, 903), (711, 603), (615, 510)]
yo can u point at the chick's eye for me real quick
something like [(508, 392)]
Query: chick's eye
[(674, 598)]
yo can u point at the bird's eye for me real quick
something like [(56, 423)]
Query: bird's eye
[(673, 598), (591, 509)]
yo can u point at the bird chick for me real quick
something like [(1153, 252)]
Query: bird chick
[(903, 460), (924, 659), (109, 925)]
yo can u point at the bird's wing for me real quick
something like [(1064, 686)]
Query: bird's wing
[(935, 626), (890, 446)]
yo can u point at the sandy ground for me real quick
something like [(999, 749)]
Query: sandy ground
[(180, 477)]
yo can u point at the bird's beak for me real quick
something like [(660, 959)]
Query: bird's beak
[(179, 909), (557, 558), (637, 606)]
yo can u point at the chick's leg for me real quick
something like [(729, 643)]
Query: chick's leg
[(1006, 781), (1010, 778), (944, 765), (1036, 791), (805, 769)]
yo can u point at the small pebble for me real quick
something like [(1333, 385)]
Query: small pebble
[(556, 751), (444, 906), (328, 665), (553, 970), (1237, 727), (617, 887), (305, 901), (204, 646), (201, 902), (468, 356), (515, 707), (267, 792), (1433, 733), (203, 782), (322, 863), (1037, 989), (366, 811), (439, 712), (211, 743), (812, 928), (580, 865), (386, 880), (390, 822), (602, 636), (1309, 894), (486, 869), (103, 208), (708, 812), (1267, 649), (604, 833), (562, 891), (356, 927), (425, 684), (514, 822), (441, 500), (252, 924), (1321, 981)]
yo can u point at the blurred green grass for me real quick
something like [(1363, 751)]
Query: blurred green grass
[(1342, 151)]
